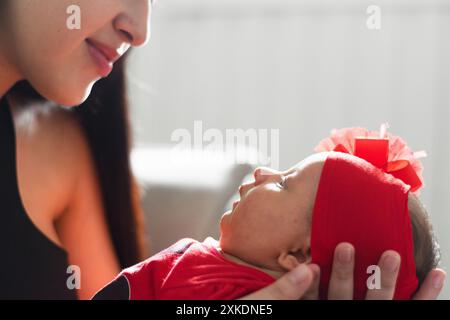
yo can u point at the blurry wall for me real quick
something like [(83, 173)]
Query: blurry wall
[(303, 67)]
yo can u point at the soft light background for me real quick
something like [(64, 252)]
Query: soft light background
[(304, 67)]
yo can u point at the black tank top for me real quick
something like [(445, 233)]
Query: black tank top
[(31, 265)]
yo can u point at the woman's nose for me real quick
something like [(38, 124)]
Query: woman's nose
[(134, 22)]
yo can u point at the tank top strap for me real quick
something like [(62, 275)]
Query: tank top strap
[(7, 146)]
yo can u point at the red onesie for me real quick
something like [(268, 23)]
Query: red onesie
[(188, 270)]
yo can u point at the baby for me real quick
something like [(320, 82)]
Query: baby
[(283, 219)]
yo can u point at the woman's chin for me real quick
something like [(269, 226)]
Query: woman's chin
[(71, 103), (76, 97), (71, 97)]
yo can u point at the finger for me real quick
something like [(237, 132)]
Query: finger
[(313, 291), (389, 266), (431, 286), (341, 280), (291, 286)]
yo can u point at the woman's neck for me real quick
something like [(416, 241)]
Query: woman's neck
[(8, 76)]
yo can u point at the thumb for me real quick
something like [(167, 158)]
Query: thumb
[(291, 286)]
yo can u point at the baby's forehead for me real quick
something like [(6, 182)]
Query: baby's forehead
[(311, 165)]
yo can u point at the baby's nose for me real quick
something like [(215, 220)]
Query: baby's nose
[(262, 174), (261, 171)]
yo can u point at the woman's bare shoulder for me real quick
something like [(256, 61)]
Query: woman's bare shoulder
[(51, 130), (51, 149)]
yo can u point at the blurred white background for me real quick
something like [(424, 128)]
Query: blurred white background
[(303, 67)]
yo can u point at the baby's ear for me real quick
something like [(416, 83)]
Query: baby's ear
[(290, 260)]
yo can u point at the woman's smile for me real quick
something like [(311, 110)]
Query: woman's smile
[(103, 56)]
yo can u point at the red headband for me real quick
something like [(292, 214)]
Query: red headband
[(359, 203)]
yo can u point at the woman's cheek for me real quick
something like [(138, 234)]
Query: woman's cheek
[(65, 84)]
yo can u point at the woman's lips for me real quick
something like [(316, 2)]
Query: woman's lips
[(104, 64)]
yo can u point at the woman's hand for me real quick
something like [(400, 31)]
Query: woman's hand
[(341, 281), (300, 283), (303, 282)]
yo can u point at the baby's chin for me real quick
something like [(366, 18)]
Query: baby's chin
[(224, 220)]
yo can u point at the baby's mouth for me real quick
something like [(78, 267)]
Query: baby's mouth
[(235, 204)]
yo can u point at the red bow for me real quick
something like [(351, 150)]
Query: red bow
[(376, 151)]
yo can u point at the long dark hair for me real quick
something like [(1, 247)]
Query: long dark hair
[(104, 120), (104, 117)]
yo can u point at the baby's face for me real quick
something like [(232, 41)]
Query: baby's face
[(270, 225)]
